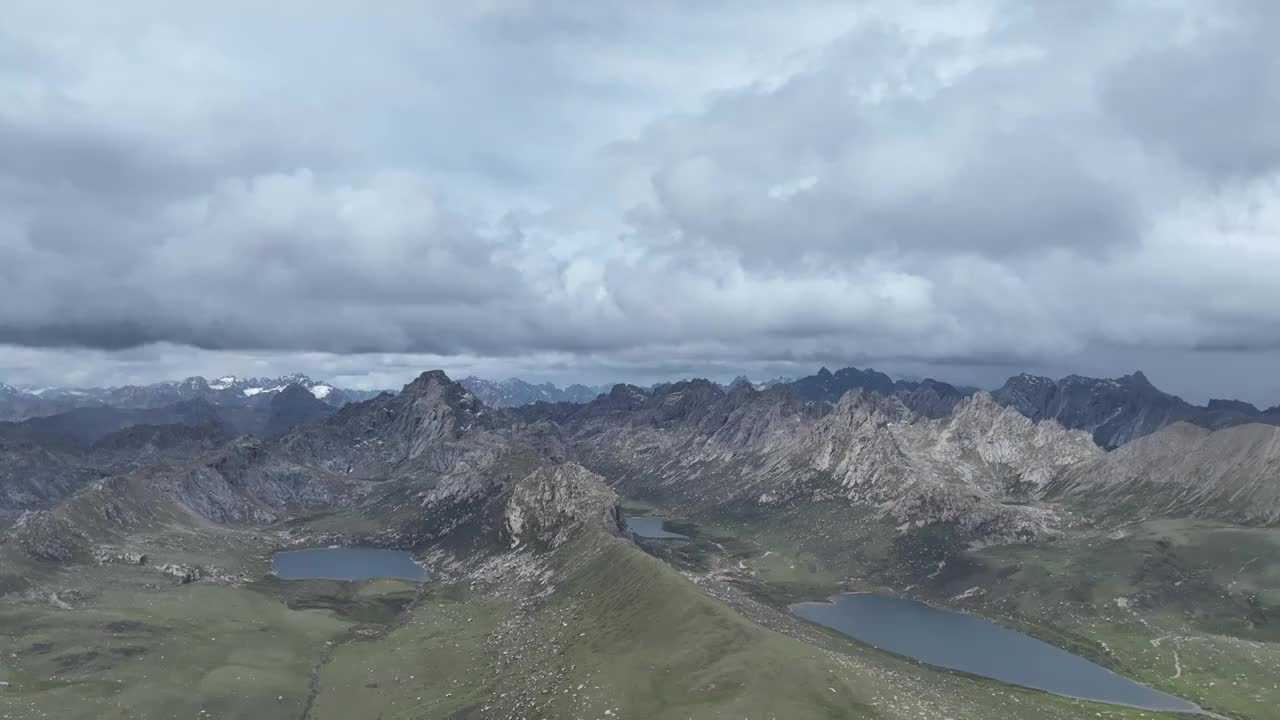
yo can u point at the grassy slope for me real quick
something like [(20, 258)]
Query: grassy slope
[(174, 652), (626, 636), (623, 632), (1190, 607), (122, 641), (1209, 593)]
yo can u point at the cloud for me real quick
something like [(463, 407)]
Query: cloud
[(1211, 99), (721, 185)]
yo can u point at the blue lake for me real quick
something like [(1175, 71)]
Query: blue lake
[(346, 564), (968, 643), (651, 527)]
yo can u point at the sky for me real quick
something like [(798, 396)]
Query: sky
[(606, 191)]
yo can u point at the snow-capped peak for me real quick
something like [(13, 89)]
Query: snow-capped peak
[(250, 392), (321, 391)]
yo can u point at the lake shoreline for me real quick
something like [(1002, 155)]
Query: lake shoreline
[(837, 614)]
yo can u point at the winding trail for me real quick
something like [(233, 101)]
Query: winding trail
[(313, 680)]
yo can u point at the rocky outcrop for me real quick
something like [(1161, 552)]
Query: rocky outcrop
[(1230, 474), (182, 573), (45, 535), (111, 556), (551, 505)]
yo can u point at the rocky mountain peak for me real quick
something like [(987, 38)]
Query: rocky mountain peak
[(742, 390), (827, 386), (871, 407), (435, 387), (929, 397), (550, 506), (1139, 379), (426, 381), (623, 397)]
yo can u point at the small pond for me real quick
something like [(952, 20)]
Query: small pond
[(341, 563), (651, 527), (968, 643)]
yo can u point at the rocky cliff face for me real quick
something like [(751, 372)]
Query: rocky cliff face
[(37, 471), (554, 503), (34, 476), (705, 448), (1230, 474), (959, 470)]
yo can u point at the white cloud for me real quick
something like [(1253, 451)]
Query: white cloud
[(560, 188)]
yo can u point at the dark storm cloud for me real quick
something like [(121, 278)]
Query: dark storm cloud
[(1212, 100), (730, 186)]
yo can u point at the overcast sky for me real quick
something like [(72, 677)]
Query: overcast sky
[(638, 191)]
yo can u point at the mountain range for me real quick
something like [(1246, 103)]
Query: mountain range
[(23, 403), (1114, 411), (514, 392), (557, 611), (1120, 410), (972, 469)]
